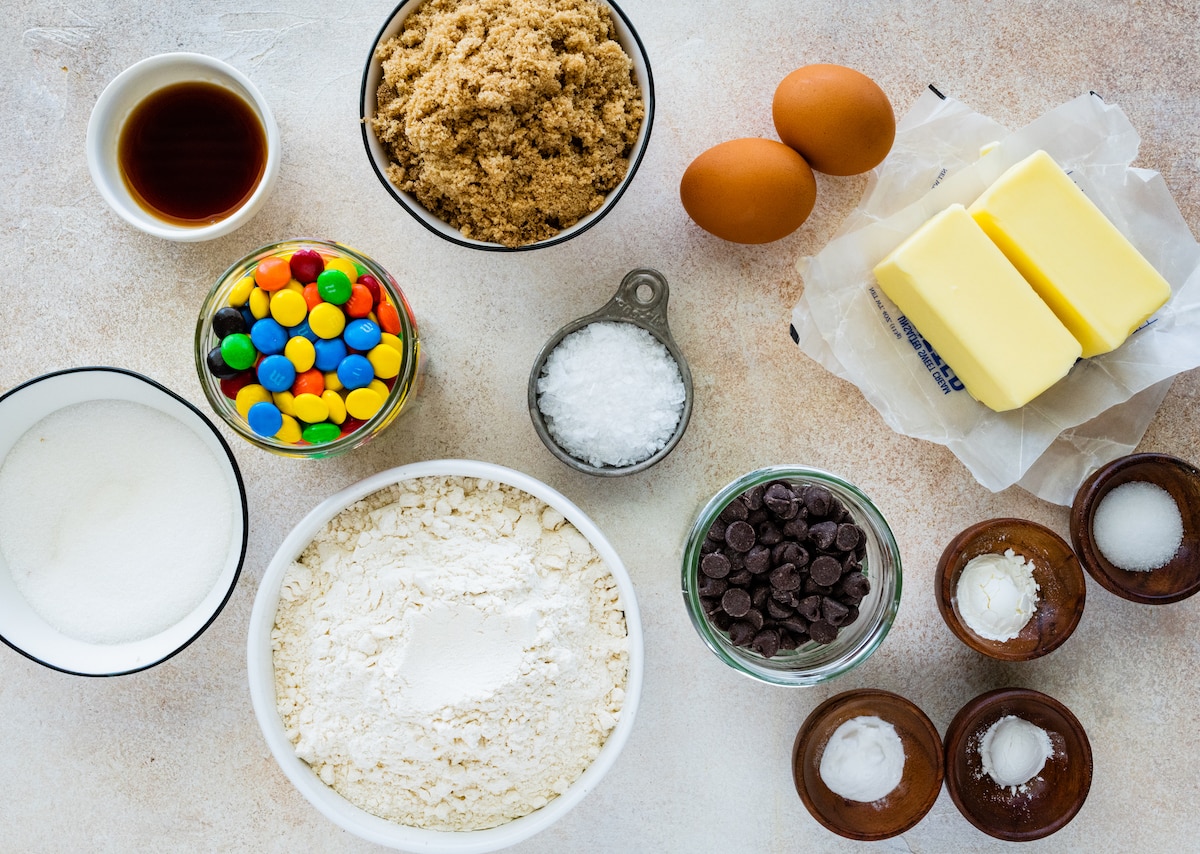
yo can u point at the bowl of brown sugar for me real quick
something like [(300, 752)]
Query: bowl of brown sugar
[(506, 125)]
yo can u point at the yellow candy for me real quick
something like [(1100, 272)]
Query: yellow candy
[(362, 403), (288, 307), (387, 339), (294, 285), (332, 383), (260, 303), (385, 360), (311, 408), (379, 387), (346, 266), (241, 291), (290, 431), (249, 395), (285, 402), (326, 320), (300, 352), (337, 406)]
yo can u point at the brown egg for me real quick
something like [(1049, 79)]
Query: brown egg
[(836, 117), (748, 190)]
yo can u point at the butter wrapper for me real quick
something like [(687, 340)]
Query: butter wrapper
[(1097, 413)]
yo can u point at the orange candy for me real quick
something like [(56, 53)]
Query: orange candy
[(311, 381), (389, 319), (273, 273), (311, 296), (360, 302)]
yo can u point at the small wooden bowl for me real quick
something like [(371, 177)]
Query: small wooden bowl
[(907, 804), (1178, 579), (1051, 799), (1055, 569)]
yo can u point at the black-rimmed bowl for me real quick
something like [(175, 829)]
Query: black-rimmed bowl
[(373, 74), (27, 631)]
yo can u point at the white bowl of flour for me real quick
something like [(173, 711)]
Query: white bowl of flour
[(122, 521), (445, 657)]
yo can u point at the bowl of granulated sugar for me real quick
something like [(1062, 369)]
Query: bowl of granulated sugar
[(122, 521), (445, 657)]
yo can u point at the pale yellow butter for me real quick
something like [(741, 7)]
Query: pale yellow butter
[(981, 316), (1089, 274)]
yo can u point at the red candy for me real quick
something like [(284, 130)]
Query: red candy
[(233, 385), (371, 284), (306, 265)]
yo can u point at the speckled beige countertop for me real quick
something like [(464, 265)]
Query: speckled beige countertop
[(172, 760)]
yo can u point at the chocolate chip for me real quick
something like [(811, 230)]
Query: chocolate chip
[(810, 608), (755, 618), (781, 500), (736, 602), (850, 563), (740, 578), (709, 546), (777, 610), (825, 570), (785, 577), (757, 517), (769, 534), (753, 497), (854, 584), (798, 626), (837, 511), (786, 552), (735, 511), (851, 616), (848, 535), (758, 559), (710, 604), (787, 640), (715, 587), (717, 532), (759, 597), (715, 565), (822, 632), (817, 499), (822, 534), (797, 528), (833, 611), (742, 633), (721, 620), (766, 643), (740, 536), (811, 587)]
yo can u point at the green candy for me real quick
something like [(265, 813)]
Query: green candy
[(334, 286), (238, 351), (319, 434)]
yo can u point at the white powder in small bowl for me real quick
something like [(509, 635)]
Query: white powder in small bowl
[(864, 759), (115, 520), (450, 653), (1013, 751), (1137, 526)]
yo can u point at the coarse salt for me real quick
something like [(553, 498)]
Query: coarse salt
[(611, 394), (115, 520)]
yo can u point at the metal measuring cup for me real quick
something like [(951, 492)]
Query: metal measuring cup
[(641, 300)]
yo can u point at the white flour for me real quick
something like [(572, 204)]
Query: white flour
[(450, 653)]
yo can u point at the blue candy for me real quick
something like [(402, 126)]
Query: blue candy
[(362, 334), (355, 372), (302, 328), (276, 373), (330, 352), (269, 336), (265, 419)]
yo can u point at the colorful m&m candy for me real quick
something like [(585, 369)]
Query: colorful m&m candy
[(307, 345)]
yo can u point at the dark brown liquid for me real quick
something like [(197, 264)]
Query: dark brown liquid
[(192, 153)]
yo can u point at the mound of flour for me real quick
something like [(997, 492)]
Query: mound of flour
[(450, 653)]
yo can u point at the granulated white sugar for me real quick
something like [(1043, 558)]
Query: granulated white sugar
[(1137, 526), (611, 394), (115, 520)]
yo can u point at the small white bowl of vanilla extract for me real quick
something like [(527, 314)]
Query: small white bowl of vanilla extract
[(183, 146)]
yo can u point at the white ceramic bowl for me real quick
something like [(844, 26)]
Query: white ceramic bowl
[(373, 76), (125, 92), (325, 799), (20, 626)]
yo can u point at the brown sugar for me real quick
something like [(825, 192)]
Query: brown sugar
[(508, 119)]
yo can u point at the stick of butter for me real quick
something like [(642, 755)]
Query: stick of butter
[(1089, 274), (981, 316)]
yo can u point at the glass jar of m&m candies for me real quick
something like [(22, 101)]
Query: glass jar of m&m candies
[(307, 348)]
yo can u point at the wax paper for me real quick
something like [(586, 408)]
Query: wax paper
[(1102, 408)]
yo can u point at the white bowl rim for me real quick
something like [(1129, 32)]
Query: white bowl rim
[(242, 518), (357, 821), (446, 232), (101, 169)]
